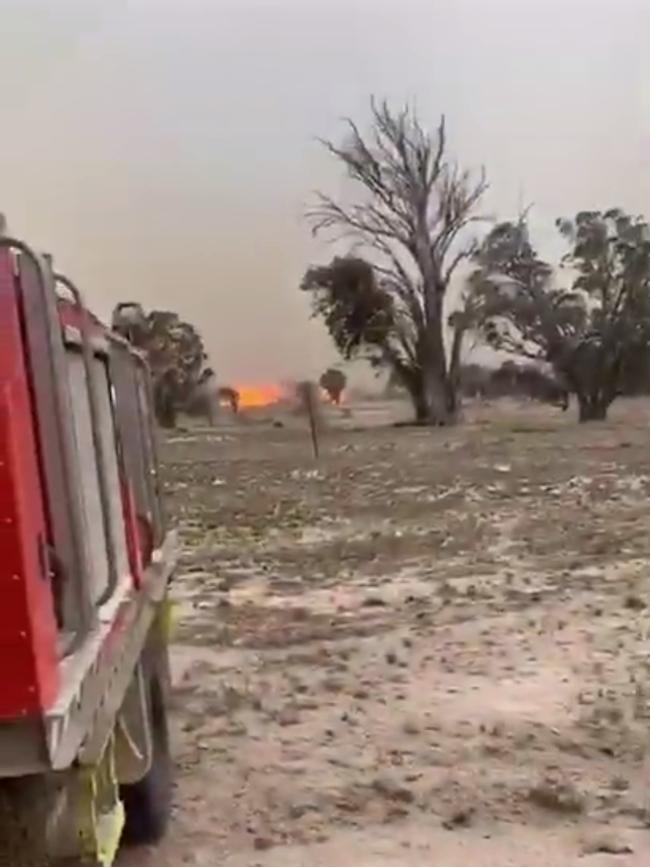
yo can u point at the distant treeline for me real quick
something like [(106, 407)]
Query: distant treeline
[(513, 379)]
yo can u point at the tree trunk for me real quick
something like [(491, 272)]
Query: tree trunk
[(438, 386), (455, 355), (436, 398), (430, 388), (414, 386), (592, 408), (593, 378), (164, 406), (420, 407), (445, 403)]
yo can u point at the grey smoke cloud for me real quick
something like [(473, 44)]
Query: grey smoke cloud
[(164, 151)]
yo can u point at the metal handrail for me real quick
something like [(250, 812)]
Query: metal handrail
[(95, 417), (158, 510), (42, 275)]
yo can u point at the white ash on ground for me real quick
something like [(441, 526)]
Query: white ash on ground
[(430, 644)]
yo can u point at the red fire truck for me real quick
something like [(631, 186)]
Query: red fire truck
[(85, 565)]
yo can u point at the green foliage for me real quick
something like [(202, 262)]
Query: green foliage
[(175, 353), (228, 394), (333, 382), (358, 313), (385, 300), (595, 332)]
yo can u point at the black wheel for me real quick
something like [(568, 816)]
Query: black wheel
[(147, 803)]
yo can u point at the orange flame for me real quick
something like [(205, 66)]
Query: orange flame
[(325, 397), (251, 396)]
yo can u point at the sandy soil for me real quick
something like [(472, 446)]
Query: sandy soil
[(428, 644)]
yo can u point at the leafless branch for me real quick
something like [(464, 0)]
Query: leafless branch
[(417, 201)]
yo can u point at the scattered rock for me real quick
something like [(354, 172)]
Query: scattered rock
[(462, 817), (333, 684), (395, 812), (262, 844), (411, 727), (288, 716), (392, 789), (635, 603), (620, 784), (558, 797), (297, 811), (374, 602), (605, 842)]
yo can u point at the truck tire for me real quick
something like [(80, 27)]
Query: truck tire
[(147, 803)]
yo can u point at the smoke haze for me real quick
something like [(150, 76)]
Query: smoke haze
[(164, 151)]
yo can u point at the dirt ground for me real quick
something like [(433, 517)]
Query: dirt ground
[(426, 647)]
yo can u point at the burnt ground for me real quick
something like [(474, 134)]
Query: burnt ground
[(428, 644)]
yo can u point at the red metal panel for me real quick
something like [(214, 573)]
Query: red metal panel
[(72, 315), (132, 535), (28, 634)]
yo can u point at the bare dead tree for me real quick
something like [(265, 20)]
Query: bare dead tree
[(411, 219)]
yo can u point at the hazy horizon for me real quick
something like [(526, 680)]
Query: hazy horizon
[(165, 155)]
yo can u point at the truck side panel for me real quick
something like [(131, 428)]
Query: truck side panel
[(28, 632)]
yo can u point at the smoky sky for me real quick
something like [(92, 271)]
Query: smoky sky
[(165, 152)]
